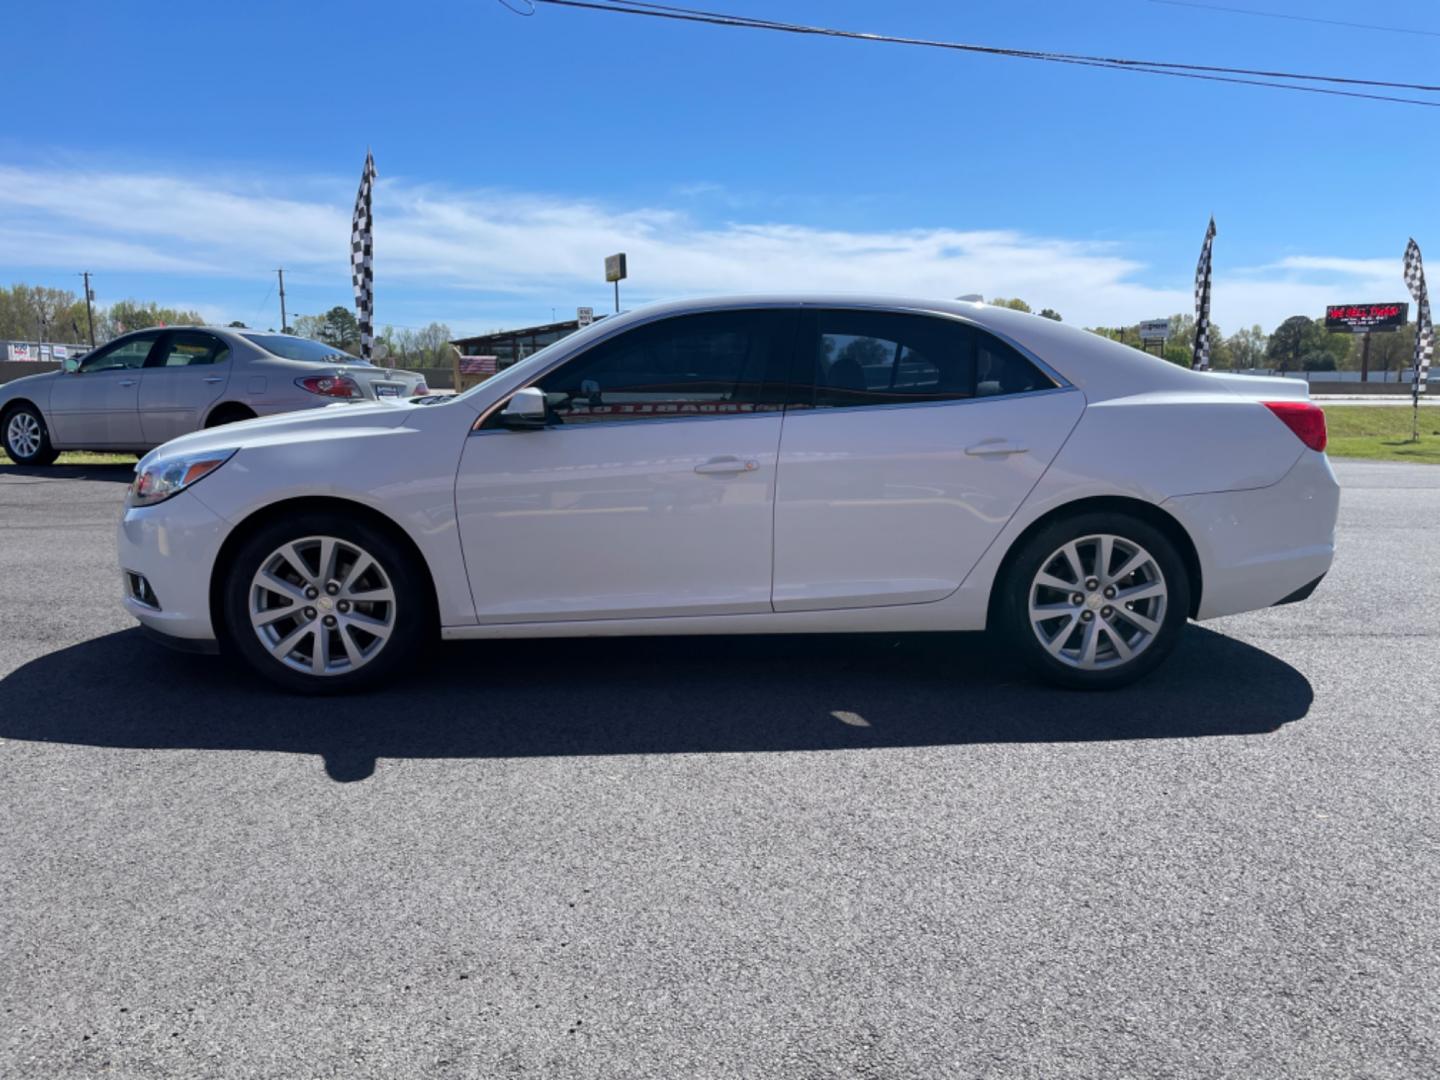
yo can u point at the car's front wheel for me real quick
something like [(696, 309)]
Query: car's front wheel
[(320, 603), (27, 439), (1095, 601)]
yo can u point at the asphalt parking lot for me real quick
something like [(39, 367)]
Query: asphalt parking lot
[(857, 857)]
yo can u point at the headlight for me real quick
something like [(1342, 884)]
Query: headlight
[(167, 475)]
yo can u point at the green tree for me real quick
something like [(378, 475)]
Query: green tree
[(237, 325), (339, 328), (1295, 341), (126, 315), (1392, 351), (1014, 304), (1246, 347), (1050, 313)]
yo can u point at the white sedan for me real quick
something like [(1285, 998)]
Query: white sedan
[(751, 465)]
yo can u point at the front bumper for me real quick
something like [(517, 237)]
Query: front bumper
[(1261, 547), (173, 545)]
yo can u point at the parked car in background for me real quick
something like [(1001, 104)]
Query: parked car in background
[(754, 465), (150, 386)]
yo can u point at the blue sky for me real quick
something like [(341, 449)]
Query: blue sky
[(182, 151)]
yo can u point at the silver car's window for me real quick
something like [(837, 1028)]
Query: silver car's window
[(716, 364), (295, 348), (894, 358), (190, 348), (130, 353)]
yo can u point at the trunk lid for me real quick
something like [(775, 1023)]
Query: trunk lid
[(1263, 387)]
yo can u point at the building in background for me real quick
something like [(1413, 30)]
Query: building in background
[(508, 346)]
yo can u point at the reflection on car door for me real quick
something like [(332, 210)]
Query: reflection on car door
[(921, 437), (185, 374), (651, 490), (98, 404)]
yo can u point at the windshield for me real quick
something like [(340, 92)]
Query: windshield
[(298, 348)]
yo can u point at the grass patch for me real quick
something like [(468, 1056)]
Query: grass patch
[(82, 457), (1382, 433)]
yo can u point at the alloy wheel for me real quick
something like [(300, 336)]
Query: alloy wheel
[(322, 606), (23, 435), (1098, 602)]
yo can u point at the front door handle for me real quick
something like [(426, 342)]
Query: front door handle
[(212, 379), (995, 448), (128, 382), (727, 463)]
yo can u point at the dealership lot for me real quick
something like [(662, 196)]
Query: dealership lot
[(875, 856)]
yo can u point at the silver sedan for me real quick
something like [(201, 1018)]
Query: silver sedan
[(150, 386)]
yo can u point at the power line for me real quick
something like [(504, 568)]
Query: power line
[(1206, 72), (1297, 18)]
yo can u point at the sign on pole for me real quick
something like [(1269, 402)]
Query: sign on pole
[(584, 316), (1365, 318), (1155, 330), (615, 271)]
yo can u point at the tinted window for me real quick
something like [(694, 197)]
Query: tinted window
[(129, 353), (297, 348), (720, 364), (885, 358), (189, 348)]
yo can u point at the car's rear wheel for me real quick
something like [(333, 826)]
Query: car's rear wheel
[(27, 439), (320, 603), (1095, 601), (228, 413)]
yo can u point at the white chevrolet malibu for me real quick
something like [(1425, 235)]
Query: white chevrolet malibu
[(752, 465)]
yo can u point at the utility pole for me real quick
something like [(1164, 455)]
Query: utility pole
[(89, 311), (1365, 357), (284, 329)]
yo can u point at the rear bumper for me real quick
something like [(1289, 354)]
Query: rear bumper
[(173, 545), (1263, 547)]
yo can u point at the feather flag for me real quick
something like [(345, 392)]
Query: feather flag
[(1200, 358), (1424, 332), (362, 249)]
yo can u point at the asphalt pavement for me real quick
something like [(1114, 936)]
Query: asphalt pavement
[(874, 856)]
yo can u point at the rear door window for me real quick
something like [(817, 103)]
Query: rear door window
[(189, 348), (856, 358)]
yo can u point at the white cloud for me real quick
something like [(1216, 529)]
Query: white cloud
[(461, 249)]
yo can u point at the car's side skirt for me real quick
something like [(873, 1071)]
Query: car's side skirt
[(943, 615)]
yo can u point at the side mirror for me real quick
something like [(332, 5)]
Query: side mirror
[(71, 364), (526, 411)]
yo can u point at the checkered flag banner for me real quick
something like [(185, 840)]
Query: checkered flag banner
[(1424, 332), (1200, 360), (362, 250)]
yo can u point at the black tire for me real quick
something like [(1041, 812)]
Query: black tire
[(228, 414), (44, 453), (411, 611), (1023, 638)]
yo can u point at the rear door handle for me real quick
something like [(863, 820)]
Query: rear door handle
[(213, 379), (128, 382), (995, 448), (726, 463)]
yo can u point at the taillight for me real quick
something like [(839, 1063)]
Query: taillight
[(420, 391), (1307, 421), (336, 386)]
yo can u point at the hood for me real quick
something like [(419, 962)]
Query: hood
[(339, 421)]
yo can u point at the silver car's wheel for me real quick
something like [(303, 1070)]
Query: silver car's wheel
[(23, 435), (322, 606), (1098, 602)]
